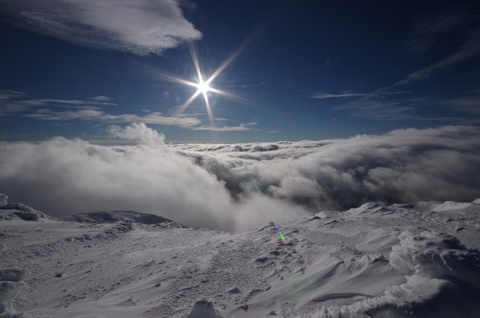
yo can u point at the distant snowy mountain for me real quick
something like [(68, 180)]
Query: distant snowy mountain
[(405, 260)]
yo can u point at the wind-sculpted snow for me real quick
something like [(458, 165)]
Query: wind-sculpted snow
[(406, 260), (3, 199), (239, 186), (442, 280), (9, 211)]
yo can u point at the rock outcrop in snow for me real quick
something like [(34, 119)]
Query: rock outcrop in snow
[(204, 309)]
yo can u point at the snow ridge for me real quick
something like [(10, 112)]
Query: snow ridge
[(122, 216)]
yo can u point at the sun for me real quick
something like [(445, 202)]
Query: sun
[(203, 86)]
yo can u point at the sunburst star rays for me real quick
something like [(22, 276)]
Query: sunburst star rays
[(203, 87)]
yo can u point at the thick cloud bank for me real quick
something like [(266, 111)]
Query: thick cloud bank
[(402, 166), (240, 186), (136, 26), (63, 177)]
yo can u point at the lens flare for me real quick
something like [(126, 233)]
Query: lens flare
[(279, 232)]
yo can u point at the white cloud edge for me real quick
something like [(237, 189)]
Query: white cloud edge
[(140, 27)]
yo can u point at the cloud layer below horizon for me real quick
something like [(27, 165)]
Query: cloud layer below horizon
[(241, 186), (139, 26)]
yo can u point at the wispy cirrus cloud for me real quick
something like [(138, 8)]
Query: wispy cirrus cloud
[(456, 27), (379, 104), (469, 50), (74, 102), (429, 30), (155, 118), (241, 127), (339, 95), (49, 114), (409, 108), (378, 110), (102, 98), (14, 102), (91, 110), (469, 102), (6, 94), (137, 26), (349, 94)]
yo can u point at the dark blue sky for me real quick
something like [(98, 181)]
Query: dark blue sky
[(299, 70)]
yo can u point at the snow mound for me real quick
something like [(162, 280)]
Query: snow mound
[(11, 211), (124, 217), (450, 205), (367, 208)]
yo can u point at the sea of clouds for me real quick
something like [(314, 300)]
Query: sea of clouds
[(241, 186)]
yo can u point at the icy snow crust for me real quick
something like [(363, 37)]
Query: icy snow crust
[(415, 260)]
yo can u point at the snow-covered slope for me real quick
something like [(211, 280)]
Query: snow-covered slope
[(415, 260)]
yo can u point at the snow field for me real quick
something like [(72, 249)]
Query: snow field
[(417, 260)]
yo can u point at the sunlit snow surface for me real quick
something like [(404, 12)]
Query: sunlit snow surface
[(410, 260)]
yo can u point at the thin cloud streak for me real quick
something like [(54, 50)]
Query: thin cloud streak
[(102, 98), (103, 102), (429, 30), (14, 102), (241, 127), (377, 110), (469, 50), (467, 103), (97, 115), (340, 95)]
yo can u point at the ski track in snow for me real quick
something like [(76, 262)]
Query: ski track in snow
[(410, 260)]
